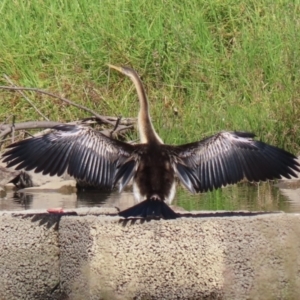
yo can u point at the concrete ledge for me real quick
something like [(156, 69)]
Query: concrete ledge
[(29, 256), (105, 257)]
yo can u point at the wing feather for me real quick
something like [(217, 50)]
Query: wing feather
[(50, 161), (85, 153), (229, 157), (59, 164)]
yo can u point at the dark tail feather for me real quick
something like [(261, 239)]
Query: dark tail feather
[(150, 209)]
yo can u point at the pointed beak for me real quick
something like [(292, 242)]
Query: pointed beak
[(116, 68)]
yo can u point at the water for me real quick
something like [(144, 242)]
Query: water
[(244, 196)]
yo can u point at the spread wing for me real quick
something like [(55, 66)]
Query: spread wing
[(82, 151), (229, 157)]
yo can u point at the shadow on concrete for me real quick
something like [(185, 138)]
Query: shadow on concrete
[(226, 214), (53, 219), (47, 219), (133, 220)]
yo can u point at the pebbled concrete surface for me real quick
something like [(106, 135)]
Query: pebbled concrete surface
[(89, 255), (29, 256), (231, 257)]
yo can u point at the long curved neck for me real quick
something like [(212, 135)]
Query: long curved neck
[(145, 126)]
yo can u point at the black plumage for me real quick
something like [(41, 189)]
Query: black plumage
[(222, 159)]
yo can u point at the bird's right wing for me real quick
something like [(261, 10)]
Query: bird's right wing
[(227, 158), (82, 151)]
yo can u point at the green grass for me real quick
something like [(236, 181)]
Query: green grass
[(224, 65)]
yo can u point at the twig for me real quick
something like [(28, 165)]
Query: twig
[(116, 126), (13, 129), (31, 103), (123, 128), (18, 88), (123, 121), (11, 116)]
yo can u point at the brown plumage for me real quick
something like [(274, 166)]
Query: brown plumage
[(88, 155)]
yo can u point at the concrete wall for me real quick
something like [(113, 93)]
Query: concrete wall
[(207, 256), (29, 256)]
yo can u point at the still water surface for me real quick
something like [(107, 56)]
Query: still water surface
[(244, 196)]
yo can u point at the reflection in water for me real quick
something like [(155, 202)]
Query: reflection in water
[(244, 196), (92, 198), (23, 200), (113, 199)]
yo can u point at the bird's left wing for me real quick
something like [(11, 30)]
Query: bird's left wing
[(229, 157), (82, 151)]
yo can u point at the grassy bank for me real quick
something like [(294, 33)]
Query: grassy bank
[(221, 65)]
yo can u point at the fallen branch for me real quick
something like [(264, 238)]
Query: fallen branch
[(122, 121), (19, 88), (119, 124), (6, 129)]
